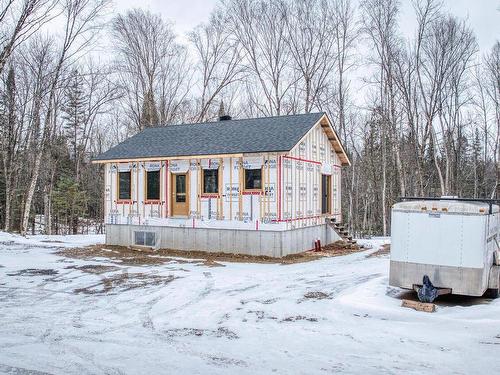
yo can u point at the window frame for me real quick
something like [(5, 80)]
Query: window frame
[(145, 236), (123, 200), (146, 198), (261, 189), (203, 192)]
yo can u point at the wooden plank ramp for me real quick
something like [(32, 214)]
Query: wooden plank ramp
[(419, 306)]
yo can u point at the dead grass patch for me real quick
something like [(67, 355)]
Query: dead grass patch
[(299, 317), (34, 272), (124, 282), (383, 250), (95, 269), (219, 332), (316, 295), (339, 248), (145, 256)]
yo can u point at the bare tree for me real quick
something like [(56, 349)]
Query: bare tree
[(380, 24), (218, 62), (492, 63), (151, 65), (443, 45), (311, 37), (19, 20), (81, 18), (261, 29)]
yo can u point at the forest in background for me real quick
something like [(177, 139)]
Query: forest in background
[(76, 79)]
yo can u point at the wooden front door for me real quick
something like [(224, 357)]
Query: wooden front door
[(180, 194), (326, 194)]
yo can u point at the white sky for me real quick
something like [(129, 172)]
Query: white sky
[(483, 15)]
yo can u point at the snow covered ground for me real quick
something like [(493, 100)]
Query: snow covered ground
[(69, 316)]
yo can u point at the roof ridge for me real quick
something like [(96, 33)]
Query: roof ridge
[(237, 119)]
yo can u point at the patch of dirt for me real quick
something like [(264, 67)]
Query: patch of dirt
[(124, 282), (316, 295), (383, 250), (95, 269), (224, 362), (118, 254), (299, 317), (220, 332), (339, 248), (269, 301), (34, 272), (212, 263), (145, 256), (238, 258), (260, 315)]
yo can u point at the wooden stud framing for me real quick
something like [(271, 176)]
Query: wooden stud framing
[(240, 187), (230, 188)]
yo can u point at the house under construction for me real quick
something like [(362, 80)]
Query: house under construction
[(262, 186)]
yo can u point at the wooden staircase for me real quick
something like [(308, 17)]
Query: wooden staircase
[(341, 230)]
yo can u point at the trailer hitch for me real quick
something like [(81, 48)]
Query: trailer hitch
[(428, 292)]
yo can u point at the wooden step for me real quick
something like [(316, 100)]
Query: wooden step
[(419, 306)]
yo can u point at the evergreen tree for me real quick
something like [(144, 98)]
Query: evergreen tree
[(69, 203), (74, 110), (477, 164)]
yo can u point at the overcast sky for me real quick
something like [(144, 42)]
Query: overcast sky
[(483, 15)]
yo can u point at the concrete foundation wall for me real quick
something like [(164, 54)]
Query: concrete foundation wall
[(251, 242)]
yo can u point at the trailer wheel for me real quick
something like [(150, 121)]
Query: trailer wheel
[(493, 293), (494, 274)]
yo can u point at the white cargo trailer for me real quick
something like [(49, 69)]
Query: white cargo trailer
[(455, 242)]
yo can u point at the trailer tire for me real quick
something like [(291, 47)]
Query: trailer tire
[(493, 293)]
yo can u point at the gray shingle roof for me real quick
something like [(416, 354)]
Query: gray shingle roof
[(266, 134)]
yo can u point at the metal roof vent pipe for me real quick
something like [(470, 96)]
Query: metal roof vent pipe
[(222, 113)]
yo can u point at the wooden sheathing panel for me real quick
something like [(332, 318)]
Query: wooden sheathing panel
[(107, 192), (240, 188), (166, 197), (229, 192), (195, 172), (270, 197), (267, 209), (220, 200)]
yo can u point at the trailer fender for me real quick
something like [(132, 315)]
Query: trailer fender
[(494, 279)]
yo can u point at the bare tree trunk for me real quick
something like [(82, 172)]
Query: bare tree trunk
[(7, 201), (30, 193)]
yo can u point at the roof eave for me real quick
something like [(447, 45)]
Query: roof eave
[(326, 124)]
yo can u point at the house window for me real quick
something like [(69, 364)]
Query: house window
[(211, 181), (124, 185), (253, 179), (145, 238), (152, 185)]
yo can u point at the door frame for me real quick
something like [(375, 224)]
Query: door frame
[(174, 190), (329, 202)]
